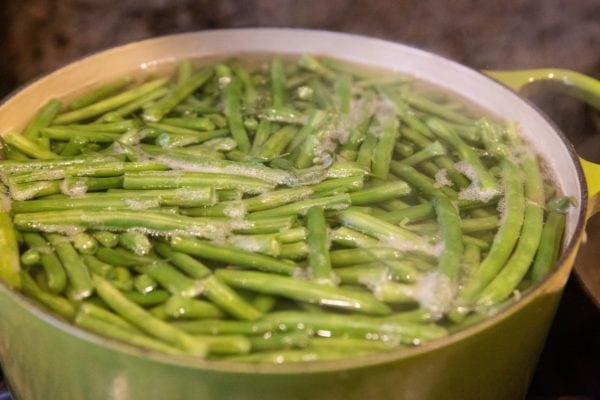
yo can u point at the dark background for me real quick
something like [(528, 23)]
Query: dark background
[(37, 36)]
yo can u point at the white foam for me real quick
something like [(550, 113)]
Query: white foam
[(74, 187), (435, 292), (142, 204), (473, 191), (25, 194), (441, 178), (235, 209)]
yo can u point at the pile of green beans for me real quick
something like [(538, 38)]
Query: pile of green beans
[(275, 211)]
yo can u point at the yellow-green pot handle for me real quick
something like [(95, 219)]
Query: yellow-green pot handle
[(581, 86)]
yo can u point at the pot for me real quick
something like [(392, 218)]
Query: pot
[(46, 358)]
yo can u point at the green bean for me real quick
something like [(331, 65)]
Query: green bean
[(517, 266), (84, 243), (143, 283), (484, 178), (9, 256), (42, 118), (262, 134), (30, 257), (264, 303), (277, 341), (383, 151), (149, 299), (98, 267), (186, 263), (422, 103), (357, 135), (292, 235), (110, 103), (277, 83), (317, 240), (275, 145), (184, 307), (351, 238), (394, 235), (294, 251), (434, 149), (316, 119), (128, 108), (256, 203), (470, 225), (234, 116), (450, 259), (310, 63), (250, 92), (135, 242), (163, 106), (302, 355), (27, 146), (386, 329), (73, 146), (334, 202), (303, 291), (100, 93), (421, 182), (220, 327), (340, 258), (97, 312), (227, 254), (549, 245), (14, 154), (119, 221), (444, 162), (55, 303), (228, 300), (507, 235), (76, 270), (106, 239), (108, 329), (366, 150), (123, 278), (333, 186), (282, 115), (182, 179), (379, 193), (146, 321)]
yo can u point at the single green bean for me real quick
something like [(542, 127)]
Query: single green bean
[(110, 103), (228, 254), (304, 291), (9, 254), (55, 303), (42, 118), (27, 146), (163, 106), (146, 321), (318, 242), (100, 93), (550, 245), (449, 262), (234, 115)]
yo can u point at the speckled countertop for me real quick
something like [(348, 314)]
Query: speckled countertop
[(37, 36)]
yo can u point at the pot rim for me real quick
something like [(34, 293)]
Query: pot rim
[(355, 362)]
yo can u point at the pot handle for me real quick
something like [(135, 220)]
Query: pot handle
[(574, 83)]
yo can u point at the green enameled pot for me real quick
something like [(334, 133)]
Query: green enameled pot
[(46, 358)]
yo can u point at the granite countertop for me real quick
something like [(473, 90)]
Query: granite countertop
[(37, 36)]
